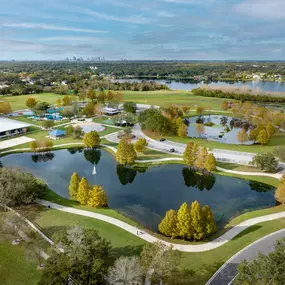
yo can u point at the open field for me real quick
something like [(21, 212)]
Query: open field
[(14, 268), (18, 102), (164, 98)]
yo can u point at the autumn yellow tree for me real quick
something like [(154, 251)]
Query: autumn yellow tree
[(73, 186), (210, 163), (5, 108), (184, 227), (201, 158), (190, 153), (125, 152), (91, 139), (182, 130), (262, 137), (33, 146), (31, 102), (242, 136), (140, 145), (66, 100), (58, 102), (270, 129), (168, 226), (97, 197), (83, 191), (225, 106), (280, 191), (209, 222), (197, 221), (200, 110)]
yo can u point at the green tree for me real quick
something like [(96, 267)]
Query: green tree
[(83, 191), (97, 197), (91, 139), (210, 163), (255, 132), (48, 124), (242, 136), (164, 262), (69, 130), (168, 226), (184, 226), (265, 269), (190, 153), (31, 102), (89, 109), (77, 132), (262, 137), (140, 145), (197, 221), (210, 224), (125, 152), (91, 94), (73, 186), (265, 161), (86, 257), (201, 158), (130, 107)]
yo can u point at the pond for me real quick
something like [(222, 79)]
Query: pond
[(217, 132), (146, 194), (190, 84)]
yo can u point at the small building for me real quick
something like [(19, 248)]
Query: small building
[(10, 127), (110, 111), (56, 134)]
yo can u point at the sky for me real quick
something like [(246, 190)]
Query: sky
[(142, 29)]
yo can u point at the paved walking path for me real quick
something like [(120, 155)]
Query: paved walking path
[(149, 238)]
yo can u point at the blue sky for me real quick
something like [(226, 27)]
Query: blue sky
[(143, 29)]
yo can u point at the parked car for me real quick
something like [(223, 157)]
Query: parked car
[(172, 150), (162, 140)]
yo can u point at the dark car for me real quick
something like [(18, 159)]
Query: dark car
[(162, 140), (172, 150)]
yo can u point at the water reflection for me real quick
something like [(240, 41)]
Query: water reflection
[(193, 178), (74, 150), (126, 175), (92, 155), (260, 187), (42, 157)]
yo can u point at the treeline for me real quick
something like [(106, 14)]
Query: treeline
[(217, 93)]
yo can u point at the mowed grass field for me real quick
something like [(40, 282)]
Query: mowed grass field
[(165, 98), (18, 102), (160, 98)]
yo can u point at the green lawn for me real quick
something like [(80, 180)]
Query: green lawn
[(203, 264), (238, 167), (18, 102), (14, 268), (277, 140), (164, 98)]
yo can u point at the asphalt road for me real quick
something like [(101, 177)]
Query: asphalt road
[(226, 274)]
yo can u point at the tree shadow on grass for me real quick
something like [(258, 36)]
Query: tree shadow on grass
[(127, 251), (247, 231)]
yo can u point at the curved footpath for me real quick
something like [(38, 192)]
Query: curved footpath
[(149, 238), (228, 272)]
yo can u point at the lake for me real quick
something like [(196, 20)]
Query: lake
[(189, 85), (216, 132), (146, 194)]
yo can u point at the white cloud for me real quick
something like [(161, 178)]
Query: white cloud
[(135, 19), (262, 9), (43, 26)]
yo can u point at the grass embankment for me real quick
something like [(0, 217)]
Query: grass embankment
[(19, 102), (276, 141), (14, 268), (244, 168)]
